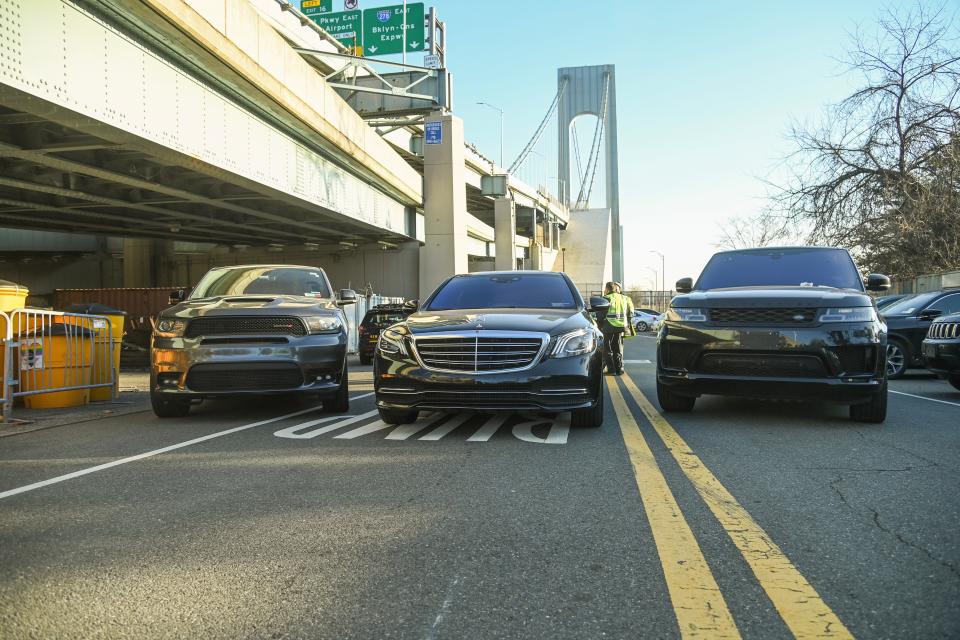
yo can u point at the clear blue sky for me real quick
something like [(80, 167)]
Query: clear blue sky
[(706, 90)]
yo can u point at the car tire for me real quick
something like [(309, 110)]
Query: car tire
[(339, 402), (591, 418), (642, 327), (898, 358), (874, 410), (165, 407), (955, 381), (366, 360), (672, 402), (397, 416)]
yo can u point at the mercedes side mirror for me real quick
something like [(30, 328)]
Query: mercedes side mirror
[(684, 285), (178, 296), (930, 314), (347, 296), (599, 303), (877, 282)]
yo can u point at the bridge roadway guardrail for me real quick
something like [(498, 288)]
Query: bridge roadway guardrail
[(52, 352)]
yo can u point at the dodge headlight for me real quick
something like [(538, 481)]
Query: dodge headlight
[(323, 324), (391, 341), (687, 314), (849, 314), (170, 327), (575, 343)]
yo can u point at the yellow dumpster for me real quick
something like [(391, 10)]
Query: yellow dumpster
[(105, 360), (58, 357)]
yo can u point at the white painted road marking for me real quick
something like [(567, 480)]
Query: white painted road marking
[(559, 430), (377, 425), (155, 452), (452, 423), (294, 431), (488, 428), (637, 362), (901, 393)]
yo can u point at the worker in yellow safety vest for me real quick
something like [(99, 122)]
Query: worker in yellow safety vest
[(616, 323)]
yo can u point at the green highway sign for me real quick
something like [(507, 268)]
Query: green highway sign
[(343, 25), (314, 7), (383, 30)]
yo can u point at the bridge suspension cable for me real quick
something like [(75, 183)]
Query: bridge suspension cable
[(543, 125), (586, 186)]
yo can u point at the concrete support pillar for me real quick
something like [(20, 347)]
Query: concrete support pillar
[(137, 262), (505, 232), (444, 252)]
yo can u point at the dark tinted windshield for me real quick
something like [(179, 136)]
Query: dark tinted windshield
[(911, 305), (383, 319), (505, 291), (812, 267), (252, 281)]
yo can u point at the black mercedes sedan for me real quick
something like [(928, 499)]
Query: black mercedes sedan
[(495, 341), (941, 349), (786, 322)]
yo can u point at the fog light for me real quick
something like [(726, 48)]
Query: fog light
[(168, 379)]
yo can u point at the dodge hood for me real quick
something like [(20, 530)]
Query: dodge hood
[(541, 320), (270, 305), (774, 297)]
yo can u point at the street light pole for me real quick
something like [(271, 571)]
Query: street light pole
[(663, 270), (495, 108)]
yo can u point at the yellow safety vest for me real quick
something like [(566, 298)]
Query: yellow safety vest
[(617, 313)]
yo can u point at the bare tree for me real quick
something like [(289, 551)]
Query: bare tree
[(763, 230), (879, 175)]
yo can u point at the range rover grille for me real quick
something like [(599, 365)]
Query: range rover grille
[(246, 325), (738, 316), (478, 354), (944, 330)]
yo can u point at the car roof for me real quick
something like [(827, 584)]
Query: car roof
[(785, 248), (266, 266), (517, 272)]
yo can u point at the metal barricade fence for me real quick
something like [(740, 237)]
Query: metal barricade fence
[(6, 365), (355, 313), (50, 352)]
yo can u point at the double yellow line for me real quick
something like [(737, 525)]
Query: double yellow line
[(697, 600)]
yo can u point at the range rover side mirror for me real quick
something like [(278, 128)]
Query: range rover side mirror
[(177, 296), (930, 314), (347, 296), (599, 303), (877, 282), (684, 285), (412, 304)]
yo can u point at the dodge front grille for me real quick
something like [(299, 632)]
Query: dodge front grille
[(245, 325)]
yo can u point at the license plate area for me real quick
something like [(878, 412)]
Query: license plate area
[(760, 340)]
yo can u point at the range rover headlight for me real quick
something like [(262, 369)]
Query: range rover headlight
[(575, 343), (323, 324), (170, 327), (687, 314), (391, 341), (849, 314)]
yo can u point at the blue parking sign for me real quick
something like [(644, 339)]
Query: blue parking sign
[(433, 132)]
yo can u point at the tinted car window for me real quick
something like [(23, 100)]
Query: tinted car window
[(948, 304), (528, 291), (781, 267), (384, 319), (262, 281), (910, 306)]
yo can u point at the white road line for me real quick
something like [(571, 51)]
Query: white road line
[(637, 362), (901, 393), (294, 431), (404, 431), (377, 425), (155, 452), (488, 428), (448, 426)]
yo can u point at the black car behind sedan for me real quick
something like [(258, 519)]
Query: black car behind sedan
[(941, 348), (496, 341), (907, 323), (788, 322)]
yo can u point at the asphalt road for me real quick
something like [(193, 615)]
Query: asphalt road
[(759, 520)]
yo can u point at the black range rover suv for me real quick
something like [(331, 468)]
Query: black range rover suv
[(496, 341), (790, 322)]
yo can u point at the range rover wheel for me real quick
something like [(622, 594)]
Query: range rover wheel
[(396, 416), (165, 407), (874, 410), (366, 360), (588, 418), (642, 326), (339, 402), (897, 359), (672, 402), (955, 381)]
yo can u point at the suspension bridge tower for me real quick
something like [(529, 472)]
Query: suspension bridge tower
[(590, 91)]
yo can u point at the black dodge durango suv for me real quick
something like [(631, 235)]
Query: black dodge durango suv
[(789, 322)]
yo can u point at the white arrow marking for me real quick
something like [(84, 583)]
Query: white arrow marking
[(559, 430), (415, 45), (372, 49)]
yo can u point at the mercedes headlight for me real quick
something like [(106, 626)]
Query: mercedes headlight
[(687, 314), (575, 343), (323, 324), (849, 314), (170, 327), (391, 341)]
